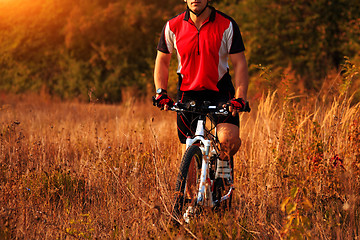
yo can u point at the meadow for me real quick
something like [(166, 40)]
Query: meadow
[(74, 170)]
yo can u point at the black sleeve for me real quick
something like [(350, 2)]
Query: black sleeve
[(162, 47), (237, 44)]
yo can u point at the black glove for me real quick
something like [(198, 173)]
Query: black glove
[(161, 100), (240, 104)]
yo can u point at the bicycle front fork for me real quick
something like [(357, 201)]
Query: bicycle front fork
[(206, 184)]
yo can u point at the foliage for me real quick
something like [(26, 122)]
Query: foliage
[(311, 37), (71, 49), (296, 206), (350, 83)]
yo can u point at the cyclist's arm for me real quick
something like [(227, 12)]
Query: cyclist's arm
[(241, 76), (161, 71)]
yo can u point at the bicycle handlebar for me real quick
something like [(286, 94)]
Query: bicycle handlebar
[(203, 108)]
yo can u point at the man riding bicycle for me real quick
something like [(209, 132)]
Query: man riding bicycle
[(204, 38)]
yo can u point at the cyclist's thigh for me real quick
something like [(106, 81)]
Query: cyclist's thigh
[(227, 127), (185, 126)]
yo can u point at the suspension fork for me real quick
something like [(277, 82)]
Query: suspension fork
[(205, 182), (204, 172)]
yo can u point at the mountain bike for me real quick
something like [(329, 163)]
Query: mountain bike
[(198, 185)]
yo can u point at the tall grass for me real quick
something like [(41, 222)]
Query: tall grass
[(87, 171)]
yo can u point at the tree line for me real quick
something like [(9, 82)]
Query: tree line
[(75, 48)]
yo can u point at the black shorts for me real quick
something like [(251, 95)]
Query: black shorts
[(186, 122)]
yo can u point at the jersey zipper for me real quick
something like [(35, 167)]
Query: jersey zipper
[(198, 33), (198, 41)]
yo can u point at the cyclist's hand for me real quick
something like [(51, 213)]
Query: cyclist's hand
[(163, 101), (237, 105)]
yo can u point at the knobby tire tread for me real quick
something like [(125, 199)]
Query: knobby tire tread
[(190, 153)]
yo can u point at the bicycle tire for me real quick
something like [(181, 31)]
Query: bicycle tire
[(187, 181)]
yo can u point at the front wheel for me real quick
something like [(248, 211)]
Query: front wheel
[(187, 183)]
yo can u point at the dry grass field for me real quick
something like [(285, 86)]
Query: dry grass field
[(73, 170)]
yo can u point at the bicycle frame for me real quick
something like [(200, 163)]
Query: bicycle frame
[(208, 187), (206, 184)]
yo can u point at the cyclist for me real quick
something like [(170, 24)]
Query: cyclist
[(203, 39)]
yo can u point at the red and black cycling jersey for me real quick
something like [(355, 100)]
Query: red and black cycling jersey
[(202, 53)]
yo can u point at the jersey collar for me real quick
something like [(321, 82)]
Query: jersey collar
[(211, 18)]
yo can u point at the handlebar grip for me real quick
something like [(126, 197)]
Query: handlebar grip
[(247, 107)]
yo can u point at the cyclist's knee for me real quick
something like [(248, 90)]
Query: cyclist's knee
[(229, 139), (231, 145)]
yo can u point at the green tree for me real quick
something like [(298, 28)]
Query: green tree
[(71, 48), (116, 42), (309, 36)]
